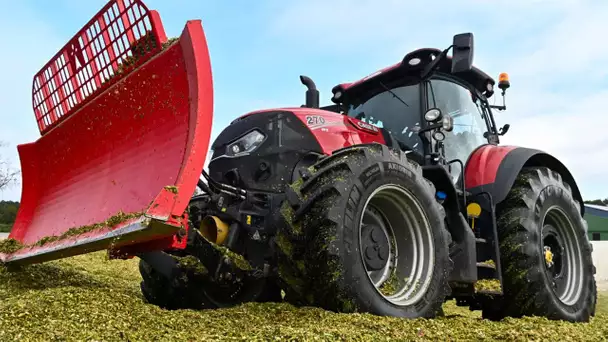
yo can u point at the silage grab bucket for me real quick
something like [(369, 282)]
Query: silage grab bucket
[(125, 120)]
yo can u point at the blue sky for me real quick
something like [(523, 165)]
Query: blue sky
[(550, 48)]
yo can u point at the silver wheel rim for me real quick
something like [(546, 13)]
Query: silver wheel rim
[(564, 267), (392, 214)]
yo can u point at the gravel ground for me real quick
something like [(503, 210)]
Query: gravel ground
[(89, 298)]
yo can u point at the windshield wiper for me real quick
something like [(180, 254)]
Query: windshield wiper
[(395, 95)]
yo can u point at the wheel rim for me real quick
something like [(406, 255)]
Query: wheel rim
[(396, 245), (562, 256)]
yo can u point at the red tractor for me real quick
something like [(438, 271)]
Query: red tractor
[(391, 201)]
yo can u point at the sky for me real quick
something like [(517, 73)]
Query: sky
[(551, 49)]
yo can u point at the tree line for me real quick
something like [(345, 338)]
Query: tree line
[(603, 202), (8, 213)]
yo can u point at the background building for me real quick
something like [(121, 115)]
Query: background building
[(597, 220)]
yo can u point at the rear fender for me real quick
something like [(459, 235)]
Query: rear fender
[(493, 169)]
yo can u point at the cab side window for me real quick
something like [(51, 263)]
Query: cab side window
[(469, 122)]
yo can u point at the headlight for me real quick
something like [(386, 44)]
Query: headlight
[(448, 123), (432, 115), (439, 136), (245, 144)]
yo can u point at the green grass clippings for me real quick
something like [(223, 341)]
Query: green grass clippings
[(169, 42), (488, 285), (9, 246), (191, 263), (89, 298), (238, 260), (391, 285), (114, 220), (171, 188)]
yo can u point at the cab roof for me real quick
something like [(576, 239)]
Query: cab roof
[(402, 71)]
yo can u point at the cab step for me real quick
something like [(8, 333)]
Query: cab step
[(486, 264), (490, 286)]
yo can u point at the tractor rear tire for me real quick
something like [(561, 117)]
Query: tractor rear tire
[(540, 211), (332, 212)]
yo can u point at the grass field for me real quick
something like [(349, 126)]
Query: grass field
[(90, 298)]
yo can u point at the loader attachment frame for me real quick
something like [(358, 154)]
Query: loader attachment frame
[(125, 120)]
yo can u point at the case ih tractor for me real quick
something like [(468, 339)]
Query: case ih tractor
[(391, 201)]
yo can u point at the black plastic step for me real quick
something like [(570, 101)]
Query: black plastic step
[(480, 240)]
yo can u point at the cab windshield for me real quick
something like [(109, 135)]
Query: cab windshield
[(385, 110)]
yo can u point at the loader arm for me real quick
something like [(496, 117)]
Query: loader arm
[(125, 119)]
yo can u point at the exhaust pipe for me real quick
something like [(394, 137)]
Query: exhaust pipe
[(214, 229), (312, 94)]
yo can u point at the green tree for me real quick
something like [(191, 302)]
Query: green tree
[(8, 213), (603, 202)]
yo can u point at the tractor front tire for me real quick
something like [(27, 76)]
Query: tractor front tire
[(364, 233), (545, 252)]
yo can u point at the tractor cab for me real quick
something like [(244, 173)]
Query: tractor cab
[(434, 105)]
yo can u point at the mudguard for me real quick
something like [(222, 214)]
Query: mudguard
[(125, 118), (493, 169)]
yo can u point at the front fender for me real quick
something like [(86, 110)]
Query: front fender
[(494, 169)]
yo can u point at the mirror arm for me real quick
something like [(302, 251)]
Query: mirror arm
[(430, 128), (431, 66)]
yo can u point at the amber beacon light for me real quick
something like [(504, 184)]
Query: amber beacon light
[(503, 81)]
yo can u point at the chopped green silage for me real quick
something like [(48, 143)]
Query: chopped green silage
[(169, 42), (487, 285), (90, 298), (171, 188), (12, 246)]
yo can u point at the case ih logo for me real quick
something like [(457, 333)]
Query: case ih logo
[(365, 126)]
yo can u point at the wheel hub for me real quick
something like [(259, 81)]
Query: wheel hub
[(553, 251), (374, 240), (562, 255), (396, 245)]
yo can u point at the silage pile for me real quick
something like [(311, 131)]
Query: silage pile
[(91, 298)]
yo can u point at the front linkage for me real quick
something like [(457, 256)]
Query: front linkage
[(229, 243)]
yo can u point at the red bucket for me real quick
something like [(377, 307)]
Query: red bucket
[(125, 132)]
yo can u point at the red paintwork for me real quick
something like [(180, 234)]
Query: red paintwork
[(149, 130), (82, 69), (482, 166), (337, 132)]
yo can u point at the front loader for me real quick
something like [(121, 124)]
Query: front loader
[(392, 200)]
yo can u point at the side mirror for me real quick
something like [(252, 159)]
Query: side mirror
[(462, 54)]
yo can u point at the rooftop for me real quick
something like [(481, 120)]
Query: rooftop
[(598, 207)]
